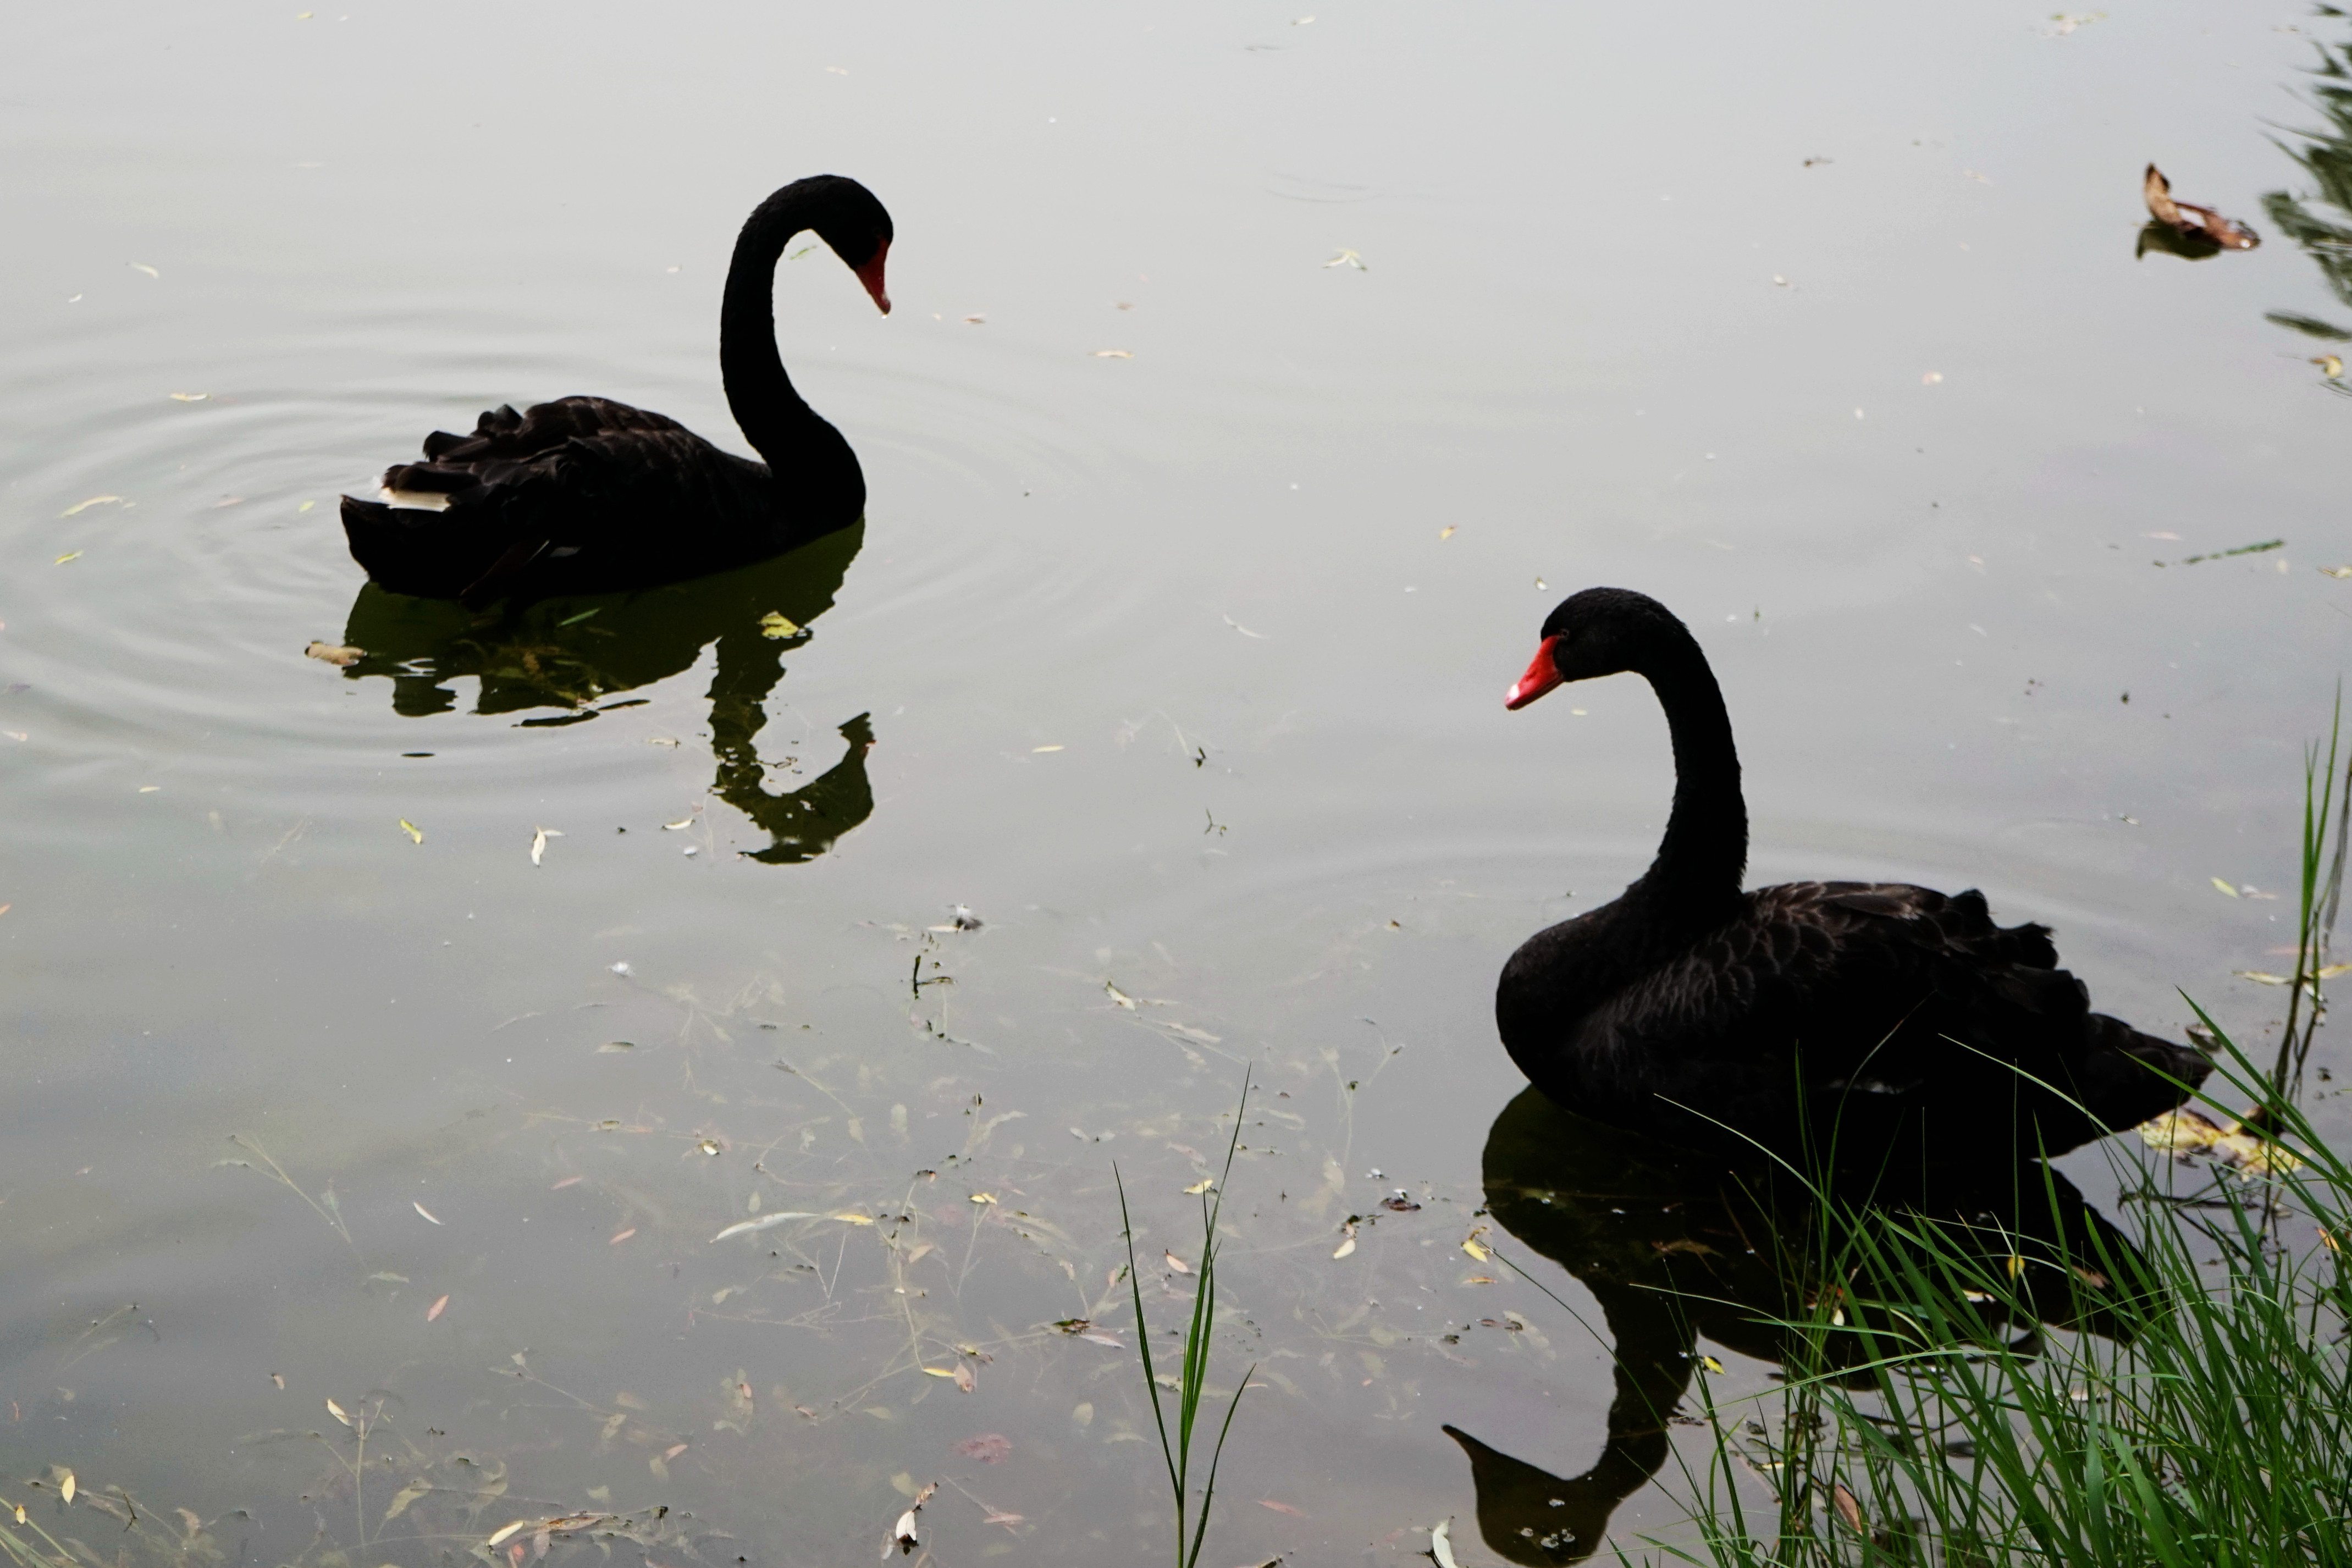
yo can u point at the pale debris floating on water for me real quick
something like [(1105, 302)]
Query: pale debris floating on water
[(1348, 258), (776, 624), (538, 841), (766, 1222), (1112, 353), (1440, 1545), (341, 654), (86, 505), (902, 1534), (415, 834)]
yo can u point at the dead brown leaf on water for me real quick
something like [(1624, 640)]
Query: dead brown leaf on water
[(1848, 1510), (989, 1447), (1176, 1263), (2189, 218)]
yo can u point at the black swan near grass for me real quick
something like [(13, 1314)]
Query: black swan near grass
[(584, 495), (1866, 1025)]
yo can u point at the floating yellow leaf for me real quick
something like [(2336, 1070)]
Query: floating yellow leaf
[(1710, 1363), (192, 397), (336, 1411), (2333, 365), (1202, 1185), (414, 832), (1121, 997), (20, 1513), (142, 267), (774, 625), (67, 1486), (1036, 748), (848, 1218), (306, 506), (983, 1197), (2187, 1132), (2224, 886), (939, 1371), (2016, 1266), (69, 555), (86, 505), (1348, 258), (674, 826), (1478, 1250), (1447, 531), (1112, 353)]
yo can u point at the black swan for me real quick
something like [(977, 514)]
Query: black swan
[(585, 495), (1847, 1024)]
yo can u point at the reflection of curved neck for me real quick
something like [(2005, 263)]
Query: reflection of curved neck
[(1704, 851), (794, 439)]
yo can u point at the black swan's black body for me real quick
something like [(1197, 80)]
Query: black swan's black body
[(585, 495), (1875, 1021)]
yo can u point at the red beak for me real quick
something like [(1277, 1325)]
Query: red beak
[(870, 274), (1542, 675)]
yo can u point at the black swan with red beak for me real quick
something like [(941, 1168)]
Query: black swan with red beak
[(1851, 1025), (584, 495)]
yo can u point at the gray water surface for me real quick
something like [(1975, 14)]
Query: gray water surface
[(1180, 666)]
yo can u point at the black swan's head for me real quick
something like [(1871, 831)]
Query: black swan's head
[(851, 222), (1601, 631)]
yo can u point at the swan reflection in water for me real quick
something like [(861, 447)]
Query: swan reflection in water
[(571, 654), (1677, 1250)]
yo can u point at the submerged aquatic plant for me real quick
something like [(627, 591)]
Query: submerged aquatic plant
[(1192, 1373)]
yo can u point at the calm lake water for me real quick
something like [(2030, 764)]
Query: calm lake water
[(1181, 668)]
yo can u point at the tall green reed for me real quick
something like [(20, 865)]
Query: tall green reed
[(1193, 1370)]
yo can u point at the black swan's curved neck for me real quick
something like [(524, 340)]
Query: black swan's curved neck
[(1704, 851), (772, 417)]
